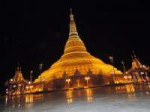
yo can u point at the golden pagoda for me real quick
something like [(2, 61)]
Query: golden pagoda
[(76, 58), (136, 64), (17, 84), (138, 71), (18, 77)]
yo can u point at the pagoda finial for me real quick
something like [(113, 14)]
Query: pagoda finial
[(73, 30), (18, 66), (134, 55), (71, 15)]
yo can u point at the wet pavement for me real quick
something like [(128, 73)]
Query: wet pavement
[(128, 98)]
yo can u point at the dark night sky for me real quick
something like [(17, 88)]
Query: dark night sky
[(36, 32)]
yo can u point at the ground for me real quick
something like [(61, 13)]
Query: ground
[(103, 99)]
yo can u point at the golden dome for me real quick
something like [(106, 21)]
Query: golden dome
[(76, 57)]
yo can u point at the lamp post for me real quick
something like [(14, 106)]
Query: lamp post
[(11, 82), (122, 62), (68, 81), (112, 61), (40, 67), (87, 80), (31, 72)]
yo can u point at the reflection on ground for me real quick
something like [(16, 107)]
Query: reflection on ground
[(91, 99)]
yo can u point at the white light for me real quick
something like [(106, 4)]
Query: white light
[(142, 73), (11, 80)]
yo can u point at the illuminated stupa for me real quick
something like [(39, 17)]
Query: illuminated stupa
[(18, 77), (17, 84), (75, 58)]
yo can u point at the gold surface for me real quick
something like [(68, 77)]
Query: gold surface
[(76, 57)]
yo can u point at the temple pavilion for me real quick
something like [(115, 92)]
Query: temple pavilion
[(138, 72), (17, 84)]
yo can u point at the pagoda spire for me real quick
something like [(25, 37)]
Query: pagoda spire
[(18, 66), (73, 30), (134, 55)]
